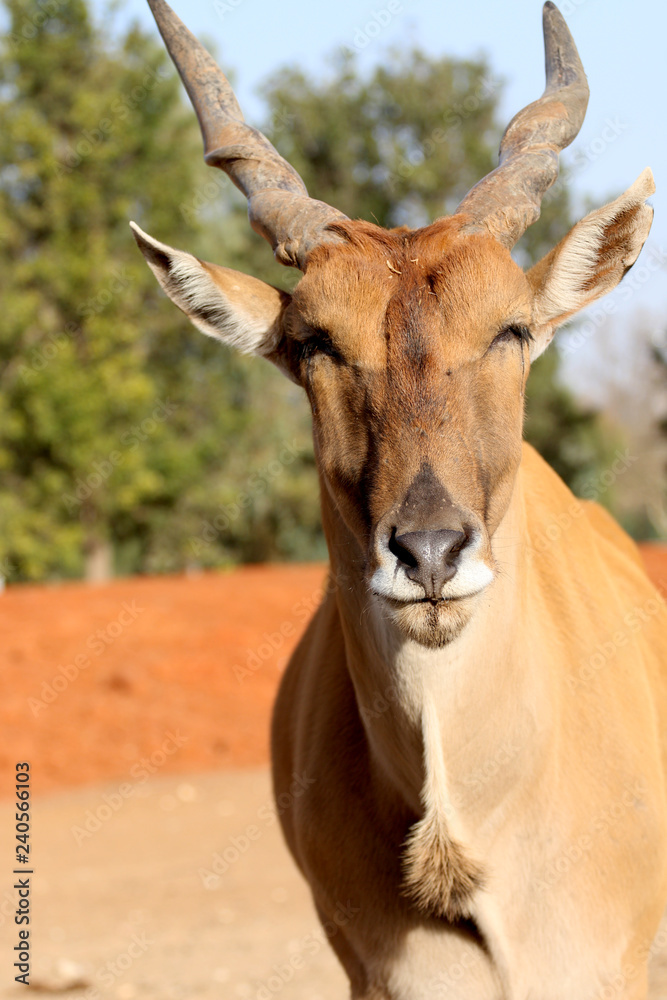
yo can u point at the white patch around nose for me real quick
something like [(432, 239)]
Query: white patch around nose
[(391, 580)]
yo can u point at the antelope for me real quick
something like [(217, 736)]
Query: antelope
[(479, 703)]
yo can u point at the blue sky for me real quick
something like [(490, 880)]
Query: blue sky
[(622, 47)]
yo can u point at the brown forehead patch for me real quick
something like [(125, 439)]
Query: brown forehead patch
[(435, 279)]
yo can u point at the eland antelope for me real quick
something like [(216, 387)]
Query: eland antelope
[(479, 703)]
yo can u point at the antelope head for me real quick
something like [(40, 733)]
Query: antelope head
[(413, 346)]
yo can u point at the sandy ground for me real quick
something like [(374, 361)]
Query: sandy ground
[(132, 908), (135, 911)]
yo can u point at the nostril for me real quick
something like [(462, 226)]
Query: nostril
[(402, 554), (458, 545), (429, 557)]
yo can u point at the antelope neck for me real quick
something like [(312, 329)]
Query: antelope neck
[(472, 691)]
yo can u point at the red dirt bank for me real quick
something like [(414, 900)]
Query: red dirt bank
[(153, 674)]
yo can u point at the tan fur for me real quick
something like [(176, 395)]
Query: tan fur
[(438, 876), (215, 297)]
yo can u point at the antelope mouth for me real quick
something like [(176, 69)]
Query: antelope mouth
[(431, 612), (436, 602), (432, 622), (462, 579)]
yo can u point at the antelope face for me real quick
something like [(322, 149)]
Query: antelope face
[(413, 347), (413, 350)]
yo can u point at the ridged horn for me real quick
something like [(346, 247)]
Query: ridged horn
[(507, 201), (279, 207)]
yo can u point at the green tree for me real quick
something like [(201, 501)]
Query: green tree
[(658, 513), (119, 425), (77, 121), (659, 358)]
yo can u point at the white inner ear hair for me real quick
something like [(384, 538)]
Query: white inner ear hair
[(194, 290), (191, 287), (598, 251)]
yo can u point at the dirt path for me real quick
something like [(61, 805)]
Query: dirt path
[(127, 904), (134, 910)]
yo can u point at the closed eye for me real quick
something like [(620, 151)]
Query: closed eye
[(515, 331), (319, 342)]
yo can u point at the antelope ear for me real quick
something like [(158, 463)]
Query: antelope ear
[(239, 310), (590, 261)]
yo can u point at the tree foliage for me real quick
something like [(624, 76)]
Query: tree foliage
[(120, 427)]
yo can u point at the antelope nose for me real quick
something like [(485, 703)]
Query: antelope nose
[(428, 557)]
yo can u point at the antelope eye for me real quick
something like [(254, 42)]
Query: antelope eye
[(319, 342), (513, 332)]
